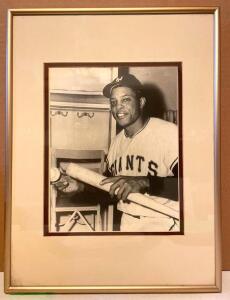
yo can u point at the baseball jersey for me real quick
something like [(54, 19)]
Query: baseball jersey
[(153, 151)]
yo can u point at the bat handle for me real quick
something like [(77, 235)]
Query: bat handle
[(55, 174)]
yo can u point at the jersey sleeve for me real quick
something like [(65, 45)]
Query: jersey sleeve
[(171, 149)]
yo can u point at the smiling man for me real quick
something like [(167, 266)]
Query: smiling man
[(142, 158)]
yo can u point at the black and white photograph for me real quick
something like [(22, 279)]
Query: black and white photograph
[(114, 149)]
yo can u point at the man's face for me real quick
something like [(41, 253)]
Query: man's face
[(125, 106)]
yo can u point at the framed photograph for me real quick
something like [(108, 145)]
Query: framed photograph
[(88, 131), (112, 151)]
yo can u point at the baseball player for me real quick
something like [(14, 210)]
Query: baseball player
[(143, 158)]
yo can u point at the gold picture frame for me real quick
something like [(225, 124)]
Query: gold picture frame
[(24, 66)]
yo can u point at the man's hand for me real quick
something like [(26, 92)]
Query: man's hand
[(122, 186), (69, 185)]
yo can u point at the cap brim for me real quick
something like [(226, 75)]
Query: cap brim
[(108, 89)]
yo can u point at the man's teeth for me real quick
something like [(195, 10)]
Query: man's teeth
[(120, 115)]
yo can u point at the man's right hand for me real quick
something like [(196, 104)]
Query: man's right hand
[(67, 184)]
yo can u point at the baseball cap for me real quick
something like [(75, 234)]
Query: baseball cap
[(127, 80)]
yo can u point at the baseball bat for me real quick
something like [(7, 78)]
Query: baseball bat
[(94, 179)]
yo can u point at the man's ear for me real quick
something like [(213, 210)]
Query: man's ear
[(142, 102)]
